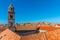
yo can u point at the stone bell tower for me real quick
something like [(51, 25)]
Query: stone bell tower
[(11, 18)]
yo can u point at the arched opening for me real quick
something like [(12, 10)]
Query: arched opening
[(11, 16)]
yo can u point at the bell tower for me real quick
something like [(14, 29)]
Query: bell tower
[(11, 18)]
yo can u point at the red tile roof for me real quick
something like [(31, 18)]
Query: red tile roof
[(9, 35)]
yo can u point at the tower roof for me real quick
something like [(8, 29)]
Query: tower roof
[(11, 6)]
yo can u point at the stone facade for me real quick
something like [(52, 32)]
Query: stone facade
[(11, 19)]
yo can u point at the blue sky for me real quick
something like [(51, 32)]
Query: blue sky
[(31, 11)]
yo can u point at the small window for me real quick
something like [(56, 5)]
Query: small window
[(11, 16), (11, 24), (11, 8)]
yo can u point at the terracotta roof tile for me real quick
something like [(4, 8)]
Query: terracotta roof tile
[(38, 36), (53, 35), (9, 35), (50, 35)]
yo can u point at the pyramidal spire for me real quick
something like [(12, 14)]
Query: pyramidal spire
[(10, 6)]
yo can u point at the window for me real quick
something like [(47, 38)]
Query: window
[(11, 24), (11, 16), (11, 8)]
